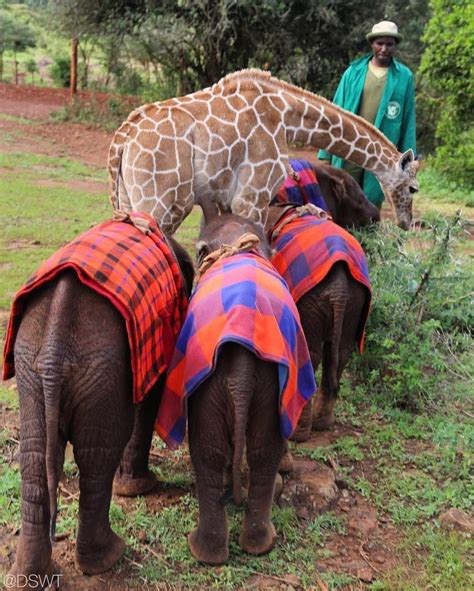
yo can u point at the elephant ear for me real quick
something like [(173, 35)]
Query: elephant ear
[(202, 250), (209, 210)]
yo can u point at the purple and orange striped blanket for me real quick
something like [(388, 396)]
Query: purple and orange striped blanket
[(306, 249), (303, 190), (140, 276), (239, 299)]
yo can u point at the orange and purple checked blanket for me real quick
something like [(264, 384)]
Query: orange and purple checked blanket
[(140, 276), (239, 299), (307, 248), (302, 190)]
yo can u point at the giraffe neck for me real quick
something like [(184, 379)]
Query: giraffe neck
[(313, 120), (319, 123)]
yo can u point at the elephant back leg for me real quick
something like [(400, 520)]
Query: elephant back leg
[(34, 545), (133, 476), (265, 449), (101, 425), (99, 435), (210, 419), (316, 319), (348, 298)]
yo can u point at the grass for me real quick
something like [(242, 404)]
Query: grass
[(411, 467), (53, 216), (434, 187)]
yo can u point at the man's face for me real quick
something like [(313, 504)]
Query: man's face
[(383, 49)]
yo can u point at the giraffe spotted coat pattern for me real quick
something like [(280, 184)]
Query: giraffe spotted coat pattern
[(229, 144)]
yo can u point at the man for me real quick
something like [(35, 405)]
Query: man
[(381, 90)]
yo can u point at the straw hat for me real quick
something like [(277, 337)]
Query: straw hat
[(384, 29)]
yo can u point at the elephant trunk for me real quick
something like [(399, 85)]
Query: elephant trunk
[(50, 365)]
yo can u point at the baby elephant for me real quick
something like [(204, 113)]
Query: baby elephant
[(242, 368), (90, 334), (326, 271), (332, 189)]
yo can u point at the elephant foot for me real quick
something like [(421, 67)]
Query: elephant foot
[(98, 559), (17, 580), (32, 559), (257, 538), (286, 463), (303, 428), (132, 486), (208, 548), (323, 414)]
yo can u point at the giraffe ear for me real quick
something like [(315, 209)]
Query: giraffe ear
[(406, 158)]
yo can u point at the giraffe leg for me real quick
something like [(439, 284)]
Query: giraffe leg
[(252, 205)]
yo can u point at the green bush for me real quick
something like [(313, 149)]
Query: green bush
[(447, 76), (129, 82), (61, 71), (421, 313), (95, 114)]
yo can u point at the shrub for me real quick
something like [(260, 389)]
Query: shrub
[(446, 68), (421, 313), (129, 82), (61, 71)]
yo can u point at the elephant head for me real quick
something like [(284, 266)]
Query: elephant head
[(347, 203)]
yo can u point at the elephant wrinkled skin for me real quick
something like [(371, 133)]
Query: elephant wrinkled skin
[(73, 368), (236, 406)]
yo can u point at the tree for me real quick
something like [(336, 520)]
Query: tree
[(7, 25), (448, 71), (85, 20), (15, 36), (32, 68)]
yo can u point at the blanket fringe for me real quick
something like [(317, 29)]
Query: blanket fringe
[(245, 243), (140, 223), (298, 212)]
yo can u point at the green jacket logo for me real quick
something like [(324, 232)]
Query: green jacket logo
[(393, 110)]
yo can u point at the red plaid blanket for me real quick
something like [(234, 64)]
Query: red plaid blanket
[(139, 274), (240, 299), (307, 248)]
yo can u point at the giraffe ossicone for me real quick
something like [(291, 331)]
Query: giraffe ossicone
[(228, 144)]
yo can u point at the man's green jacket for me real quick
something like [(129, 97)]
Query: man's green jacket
[(395, 116)]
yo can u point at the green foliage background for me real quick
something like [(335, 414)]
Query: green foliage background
[(447, 66)]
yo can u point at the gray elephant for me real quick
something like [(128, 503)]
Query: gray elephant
[(332, 189), (242, 368), (90, 334), (326, 270)]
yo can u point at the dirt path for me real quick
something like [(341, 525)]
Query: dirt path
[(37, 134)]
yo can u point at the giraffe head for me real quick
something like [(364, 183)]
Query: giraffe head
[(399, 185)]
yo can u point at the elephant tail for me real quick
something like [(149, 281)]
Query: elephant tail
[(50, 365), (339, 305), (241, 410)]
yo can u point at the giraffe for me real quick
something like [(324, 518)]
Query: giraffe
[(227, 145)]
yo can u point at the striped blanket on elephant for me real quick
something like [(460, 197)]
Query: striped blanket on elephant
[(239, 299), (137, 271), (307, 247), (301, 190)]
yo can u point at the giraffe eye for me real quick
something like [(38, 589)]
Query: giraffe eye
[(413, 190)]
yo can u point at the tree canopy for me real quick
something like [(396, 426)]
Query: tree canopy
[(448, 69)]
